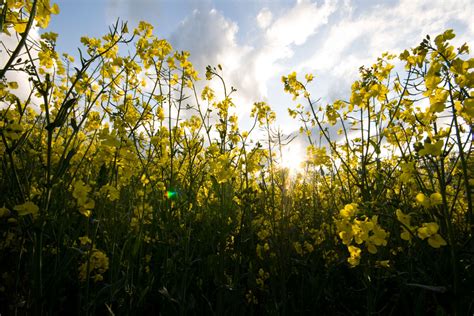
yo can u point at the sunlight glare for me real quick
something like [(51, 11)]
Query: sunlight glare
[(293, 156)]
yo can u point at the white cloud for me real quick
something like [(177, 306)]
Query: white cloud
[(211, 39), (358, 39), (299, 23), (9, 43), (264, 18), (331, 39), (277, 43)]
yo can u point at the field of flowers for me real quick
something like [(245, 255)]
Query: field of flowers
[(125, 189)]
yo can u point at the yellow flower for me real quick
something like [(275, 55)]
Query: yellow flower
[(13, 85), (85, 240), (144, 180), (144, 28), (436, 241), (317, 155), (432, 149), (349, 210), (54, 9), (266, 247), (207, 94), (26, 208), (4, 212), (298, 248), (345, 231), (371, 247), (436, 198), (251, 298), (98, 264), (430, 231), (309, 77), (383, 263), (361, 230), (309, 248), (86, 213), (379, 236), (427, 230), (20, 26), (110, 192), (405, 220), (80, 192), (405, 235), (46, 58), (354, 258), (422, 199)]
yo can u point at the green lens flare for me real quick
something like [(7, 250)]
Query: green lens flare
[(171, 194)]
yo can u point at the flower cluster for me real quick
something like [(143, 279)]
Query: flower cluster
[(365, 232)]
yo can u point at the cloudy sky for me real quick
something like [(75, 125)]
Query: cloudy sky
[(258, 41)]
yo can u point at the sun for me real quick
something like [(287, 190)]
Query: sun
[(293, 156)]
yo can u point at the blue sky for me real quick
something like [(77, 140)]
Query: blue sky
[(259, 41)]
